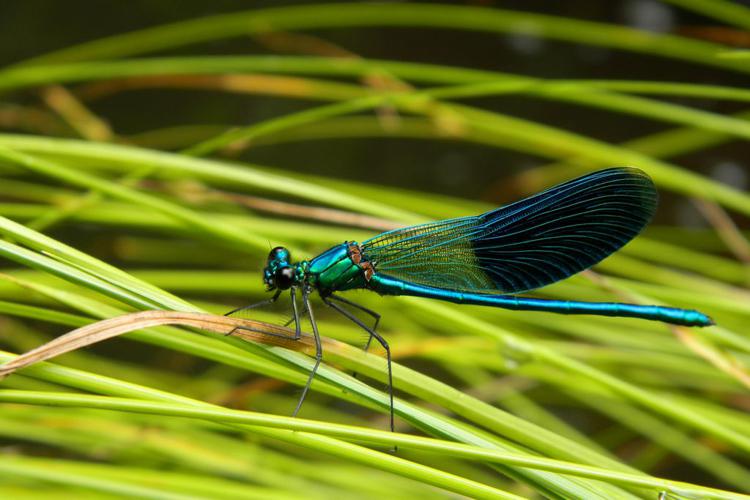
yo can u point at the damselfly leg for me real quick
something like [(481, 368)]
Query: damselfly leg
[(318, 347), (372, 313), (296, 316), (297, 331), (365, 310), (262, 303), (267, 302), (373, 334)]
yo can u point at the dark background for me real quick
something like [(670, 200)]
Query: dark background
[(30, 28)]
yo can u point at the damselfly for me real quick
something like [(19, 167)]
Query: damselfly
[(485, 259)]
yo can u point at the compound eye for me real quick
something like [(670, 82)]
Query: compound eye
[(278, 254), (284, 277)]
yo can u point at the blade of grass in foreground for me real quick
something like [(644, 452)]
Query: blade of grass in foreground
[(27, 468), (324, 444), (38, 241), (357, 434), (355, 387), (403, 382)]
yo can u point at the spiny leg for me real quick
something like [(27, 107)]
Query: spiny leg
[(295, 318), (372, 313), (262, 303), (318, 347), (381, 340)]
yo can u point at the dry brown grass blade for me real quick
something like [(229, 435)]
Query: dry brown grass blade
[(197, 193), (278, 85), (725, 227), (329, 215), (102, 330), (80, 118)]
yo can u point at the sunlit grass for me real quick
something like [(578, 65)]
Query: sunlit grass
[(504, 397)]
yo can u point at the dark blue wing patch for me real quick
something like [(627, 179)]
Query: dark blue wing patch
[(564, 230), (525, 245)]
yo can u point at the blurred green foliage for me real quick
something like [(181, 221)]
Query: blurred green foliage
[(154, 169)]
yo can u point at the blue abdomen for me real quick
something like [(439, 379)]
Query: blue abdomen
[(686, 317)]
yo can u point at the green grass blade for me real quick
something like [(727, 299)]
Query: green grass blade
[(412, 15)]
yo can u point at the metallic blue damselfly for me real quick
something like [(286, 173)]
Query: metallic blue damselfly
[(485, 259)]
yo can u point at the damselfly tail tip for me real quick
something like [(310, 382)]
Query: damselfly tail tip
[(691, 317), (703, 320)]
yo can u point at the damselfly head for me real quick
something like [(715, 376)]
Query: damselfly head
[(279, 273), (279, 254)]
